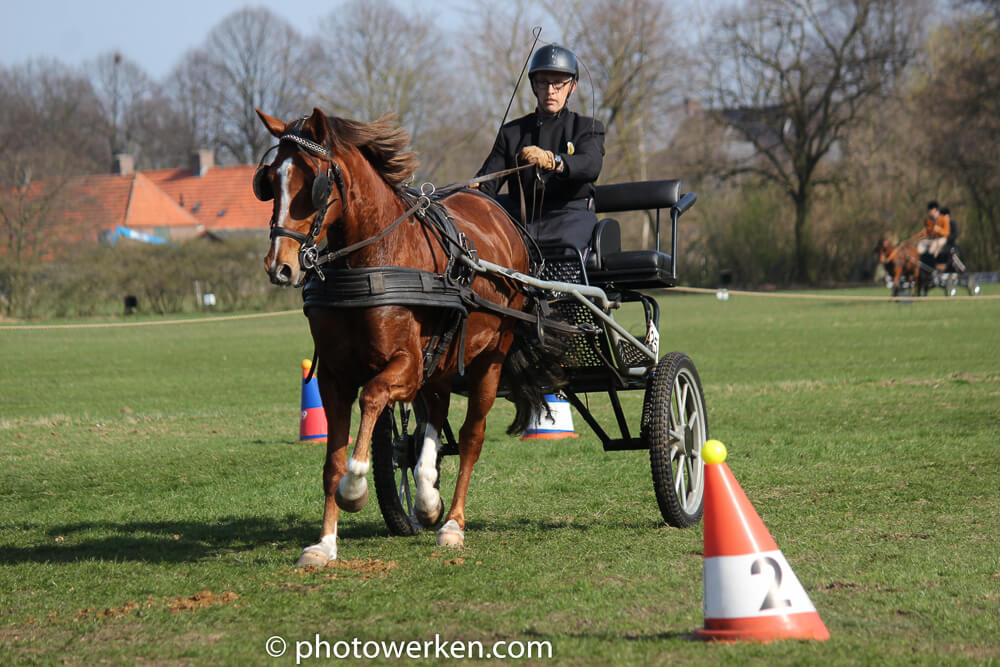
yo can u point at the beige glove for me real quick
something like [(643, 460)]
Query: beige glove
[(538, 156)]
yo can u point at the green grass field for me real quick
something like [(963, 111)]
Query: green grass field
[(144, 467)]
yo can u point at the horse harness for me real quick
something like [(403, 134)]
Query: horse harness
[(366, 287)]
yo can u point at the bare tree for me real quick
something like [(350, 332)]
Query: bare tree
[(959, 107), (374, 58), (252, 58), (496, 47), (792, 77), (635, 69), (121, 85), (191, 103), (50, 122)]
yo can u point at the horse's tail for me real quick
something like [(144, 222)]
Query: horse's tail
[(532, 369)]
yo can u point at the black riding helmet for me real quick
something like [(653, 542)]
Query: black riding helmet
[(553, 58)]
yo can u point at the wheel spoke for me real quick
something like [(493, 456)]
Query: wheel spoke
[(404, 491), (679, 484), (694, 421), (681, 390)]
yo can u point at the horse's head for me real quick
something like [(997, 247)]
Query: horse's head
[(306, 184), (883, 249)]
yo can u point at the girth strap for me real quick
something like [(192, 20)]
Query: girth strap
[(366, 287)]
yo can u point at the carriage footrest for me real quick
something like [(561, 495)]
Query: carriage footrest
[(624, 444)]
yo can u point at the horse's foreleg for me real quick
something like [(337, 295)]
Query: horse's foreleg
[(482, 394), (398, 381), (338, 415), (428, 505)]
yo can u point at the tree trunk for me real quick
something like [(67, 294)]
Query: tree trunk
[(802, 240)]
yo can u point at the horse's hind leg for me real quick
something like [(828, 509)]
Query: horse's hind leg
[(398, 381), (428, 505)]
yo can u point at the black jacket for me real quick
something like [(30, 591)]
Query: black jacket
[(578, 140)]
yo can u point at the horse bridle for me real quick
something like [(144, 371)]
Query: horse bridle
[(321, 190)]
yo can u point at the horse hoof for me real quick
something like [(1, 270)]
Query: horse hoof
[(312, 557), (351, 505), (451, 535), (427, 519), (351, 493)]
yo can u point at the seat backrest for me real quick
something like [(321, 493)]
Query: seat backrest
[(638, 196)]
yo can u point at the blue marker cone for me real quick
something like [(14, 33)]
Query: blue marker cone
[(312, 426), (554, 425)]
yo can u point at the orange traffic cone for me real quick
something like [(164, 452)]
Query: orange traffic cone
[(751, 592), (312, 424)]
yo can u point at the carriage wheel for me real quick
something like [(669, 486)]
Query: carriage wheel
[(394, 456), (674, 427)]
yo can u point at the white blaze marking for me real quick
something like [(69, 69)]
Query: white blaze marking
[(283, 214)]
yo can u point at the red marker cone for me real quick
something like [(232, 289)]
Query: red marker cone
[(312, 425), (751, 592)]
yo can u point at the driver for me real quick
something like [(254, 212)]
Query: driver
[(566, 148), (935, 233)]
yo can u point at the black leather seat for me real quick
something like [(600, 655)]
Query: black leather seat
[(608, 264)]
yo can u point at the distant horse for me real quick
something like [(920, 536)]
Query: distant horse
[(900, 262), (341, 181)]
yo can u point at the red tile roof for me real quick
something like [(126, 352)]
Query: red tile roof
[(166, 202), (222, 199)]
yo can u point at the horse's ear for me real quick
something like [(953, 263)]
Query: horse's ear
[(273, 125), (316, 123)]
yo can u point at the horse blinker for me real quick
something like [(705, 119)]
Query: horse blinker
[(262, 189)]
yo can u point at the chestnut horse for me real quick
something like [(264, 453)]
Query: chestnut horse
[(899, 262), (341, 181)]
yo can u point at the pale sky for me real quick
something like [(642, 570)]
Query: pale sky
[(155, 35)]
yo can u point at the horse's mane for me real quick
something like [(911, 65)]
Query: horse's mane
[(381, 141)]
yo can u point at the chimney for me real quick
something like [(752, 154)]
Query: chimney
[(202, 160), (124, 164)]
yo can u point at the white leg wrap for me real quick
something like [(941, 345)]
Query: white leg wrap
[(354, 483), (358, 468), (425, 474)]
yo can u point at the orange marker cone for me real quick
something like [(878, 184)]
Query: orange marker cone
[(312, 425), (751, 592)]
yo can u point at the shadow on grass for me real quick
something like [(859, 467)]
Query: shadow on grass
[(193, 540), (173, 541)]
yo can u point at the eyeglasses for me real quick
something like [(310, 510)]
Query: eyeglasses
[(544, 85)]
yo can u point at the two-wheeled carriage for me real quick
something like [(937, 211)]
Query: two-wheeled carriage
[(603, 357)]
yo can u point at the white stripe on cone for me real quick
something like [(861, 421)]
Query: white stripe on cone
[(760, 584)]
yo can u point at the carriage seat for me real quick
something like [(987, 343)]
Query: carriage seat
[(608, 264)]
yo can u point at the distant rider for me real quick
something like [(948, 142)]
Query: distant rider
[(935, 233)]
